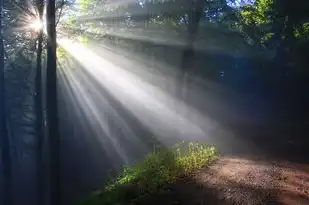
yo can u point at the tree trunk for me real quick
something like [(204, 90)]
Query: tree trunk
[(194, 17), (5, 144), (51, 105), (39, 108)]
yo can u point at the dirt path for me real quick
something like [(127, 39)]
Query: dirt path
[(247, 181)]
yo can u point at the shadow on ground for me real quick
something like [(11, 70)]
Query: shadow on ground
[(241, 181)]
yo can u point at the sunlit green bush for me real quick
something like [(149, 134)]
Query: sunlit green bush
[(148, 177)]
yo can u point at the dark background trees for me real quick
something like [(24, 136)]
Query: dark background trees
[(5, 142), (24, 63)]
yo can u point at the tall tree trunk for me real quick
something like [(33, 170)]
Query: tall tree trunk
[(51, 105), (194, 16), (5, 144), (39, 108)]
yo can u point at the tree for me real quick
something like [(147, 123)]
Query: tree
[(192, 21), (51, 104), (5, 145), (38, 105)]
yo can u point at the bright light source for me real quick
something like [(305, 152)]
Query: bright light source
[(36, 25)]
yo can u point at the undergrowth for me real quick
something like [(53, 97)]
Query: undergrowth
[(149, 177)]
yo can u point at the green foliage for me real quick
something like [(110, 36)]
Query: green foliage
[(83, 39), (303, 31), (257, 21), (267, 37), (259, 13), (61, 53), (264, 9), (249, 15), (85, 4), (149, 177), (70, 21)]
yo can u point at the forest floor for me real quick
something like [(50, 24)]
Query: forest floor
[(278, 176), (234, 180), (237, 181)]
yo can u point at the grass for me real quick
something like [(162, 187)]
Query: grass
[(151, 176)]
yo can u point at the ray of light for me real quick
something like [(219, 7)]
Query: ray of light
[(117, 139), (145, 101), (132, 88)]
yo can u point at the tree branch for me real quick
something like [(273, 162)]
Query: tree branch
[(60, 12)]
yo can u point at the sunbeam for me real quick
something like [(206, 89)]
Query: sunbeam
[(150, 104), (116, 85)]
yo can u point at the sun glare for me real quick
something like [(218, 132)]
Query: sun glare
[(36, 25)]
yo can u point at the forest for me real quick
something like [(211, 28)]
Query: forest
[(90, 86)]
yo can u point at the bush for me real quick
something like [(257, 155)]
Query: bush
[(150, 176)]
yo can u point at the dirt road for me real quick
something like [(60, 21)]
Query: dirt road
[(249, 181)]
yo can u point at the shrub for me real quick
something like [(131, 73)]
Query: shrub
[(149, 177)]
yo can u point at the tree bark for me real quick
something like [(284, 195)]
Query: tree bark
[(51, 105), (194, 16), (5, 143), (39, 108)]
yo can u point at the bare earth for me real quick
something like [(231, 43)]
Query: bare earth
[(248, 181)]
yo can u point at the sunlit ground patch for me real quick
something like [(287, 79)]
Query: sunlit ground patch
[(257, 181)]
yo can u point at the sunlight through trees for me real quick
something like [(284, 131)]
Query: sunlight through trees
[(88, 86)]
